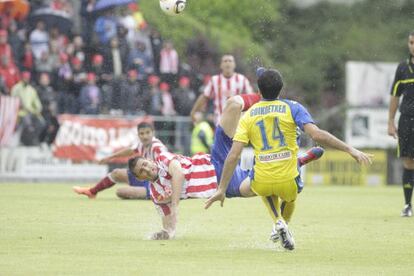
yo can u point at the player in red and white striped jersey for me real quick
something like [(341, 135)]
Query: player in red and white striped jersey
[(174, 177), (149, 147), (221, 87)]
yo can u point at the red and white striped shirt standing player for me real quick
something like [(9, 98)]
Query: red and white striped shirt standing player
[(220, 88), (200, 179), (151, 151), (223, 86)]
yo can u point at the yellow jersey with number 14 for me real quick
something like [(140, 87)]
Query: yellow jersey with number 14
[(270, 126)]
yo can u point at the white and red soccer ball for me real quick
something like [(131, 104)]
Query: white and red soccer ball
[(172, 7)]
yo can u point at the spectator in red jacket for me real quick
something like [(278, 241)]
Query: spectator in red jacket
[(5, 49), (9, 72)]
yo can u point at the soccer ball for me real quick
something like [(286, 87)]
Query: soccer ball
[(172, 7)]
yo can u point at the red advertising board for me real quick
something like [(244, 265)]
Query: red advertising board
[(85, 138)]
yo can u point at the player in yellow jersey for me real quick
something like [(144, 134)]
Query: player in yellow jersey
[(270, 126)]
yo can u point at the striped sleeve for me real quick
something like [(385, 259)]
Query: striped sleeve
[(137, 148), (209, 89), (157, 148), (247, 88), (165, 158)]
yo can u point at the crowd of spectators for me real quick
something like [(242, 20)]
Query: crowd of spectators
[(116, 64)]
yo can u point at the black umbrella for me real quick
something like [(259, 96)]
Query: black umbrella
[(53, 18)]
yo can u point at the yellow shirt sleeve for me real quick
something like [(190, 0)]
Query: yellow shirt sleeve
[(242, 134)]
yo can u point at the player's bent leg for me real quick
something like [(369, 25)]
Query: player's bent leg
[(117, 175), (231, 115), (273, 206), (287, 209), (132, 193), (249, 100), (310, 155), (245, 189), (280, 231)]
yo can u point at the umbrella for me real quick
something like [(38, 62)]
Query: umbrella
[(104, 4), (53, 18), (17, 9)]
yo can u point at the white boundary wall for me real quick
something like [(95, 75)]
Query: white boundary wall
[(38, 164)]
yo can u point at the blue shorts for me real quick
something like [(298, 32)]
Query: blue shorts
[(220, 150), (134, 182)]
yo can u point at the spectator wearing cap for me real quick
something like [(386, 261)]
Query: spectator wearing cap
[(133, 100), (16, 43), (169, 64), (63, 84), (155, 94), (39, 39), (90, 96), (31, 122), (5, 49), (97, 67), (9, 72), (167, 101), (46, 93), (48, 98), (79, 75), (103, 80), (45, 64), (74, 81), (184, 98), (27, 59)]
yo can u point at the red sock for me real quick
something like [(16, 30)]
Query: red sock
[(249, 100), (105, 183)]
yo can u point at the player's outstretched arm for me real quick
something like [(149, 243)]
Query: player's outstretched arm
[(121, 153), (169, 222), (228, 169), (198, 105), (326, 139), (177, 180)]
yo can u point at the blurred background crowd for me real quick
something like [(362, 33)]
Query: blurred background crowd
[(116, 64)]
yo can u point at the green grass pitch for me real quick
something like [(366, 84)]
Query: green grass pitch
[(45, 229)]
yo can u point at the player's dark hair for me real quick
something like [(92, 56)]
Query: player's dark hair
[(145, 125), (132, 162), (270, 84), (411, 33)]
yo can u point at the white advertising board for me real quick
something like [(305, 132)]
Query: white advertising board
[(369, 83), (367, 128)]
